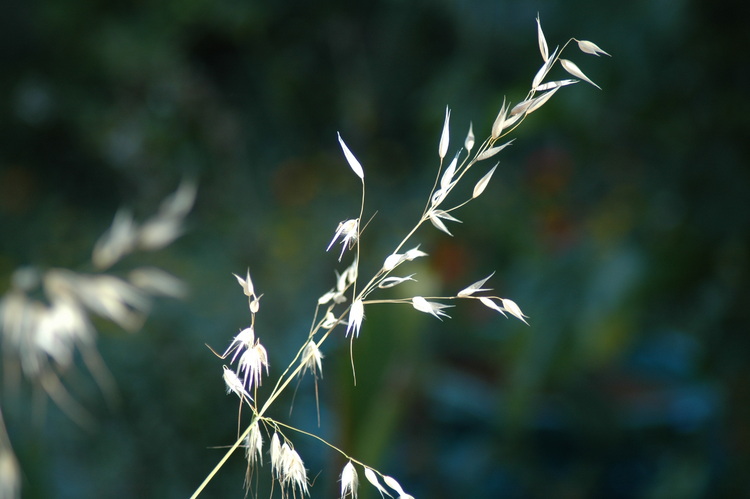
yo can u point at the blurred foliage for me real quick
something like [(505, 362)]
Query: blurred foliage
[(618, 221)]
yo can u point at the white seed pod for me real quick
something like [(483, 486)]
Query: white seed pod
[(476, 287), (255, 305), (488, 153), (392, 261), (234, 384), (356, 315), (554, 84), (389, 282), (543, 49), (392, 483), (254, 445), (590, 48), (540, 100), (276, 455), (445, 136), (373, 479), (414, 253), (429, 307), (571, 68), (329, 321), (247, 284), (353, 162), (513, 309), (325, 298), (447, 179), (543, 70), (488, 302), (349, 481), (499, 124), (435, 218), (482, 184), (469, 142)]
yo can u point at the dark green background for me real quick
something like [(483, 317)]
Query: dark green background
[(618, 221)]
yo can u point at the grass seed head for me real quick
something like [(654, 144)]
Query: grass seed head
[(356, 315), (445, 136), (349, 481), (254, 445), (469, 142), (430, 307), (234, 384), (353, 162), (312, 359), (348, 230), (252, 363)]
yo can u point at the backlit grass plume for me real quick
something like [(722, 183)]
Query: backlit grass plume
[(342, 310), (46, 315)]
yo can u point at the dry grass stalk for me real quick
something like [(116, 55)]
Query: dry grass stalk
[(345, 304)]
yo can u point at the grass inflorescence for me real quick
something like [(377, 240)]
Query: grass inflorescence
[(342, 309)]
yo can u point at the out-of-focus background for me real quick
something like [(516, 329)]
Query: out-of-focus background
[(618, 221)]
